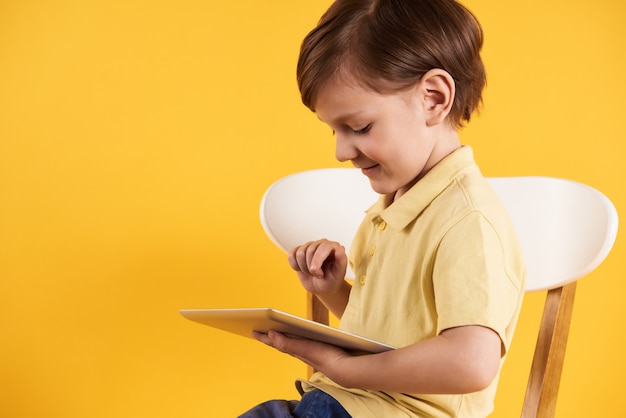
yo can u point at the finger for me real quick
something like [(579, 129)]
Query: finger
[(293, 346), (262, 337), (315, 256), (274, 339), (295, 258), (338, 263), (313, 353), (326, 256), (299, 257), (279, 342), (291, 258)]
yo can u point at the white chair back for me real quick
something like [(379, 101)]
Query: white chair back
[(566, 229)]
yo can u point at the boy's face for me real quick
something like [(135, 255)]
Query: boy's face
[(386, 136)]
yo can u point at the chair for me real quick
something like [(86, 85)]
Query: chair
[(566, 230)]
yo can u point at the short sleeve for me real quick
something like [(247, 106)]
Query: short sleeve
[(472, 281)]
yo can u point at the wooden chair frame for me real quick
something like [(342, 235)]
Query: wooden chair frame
[(545, 373)]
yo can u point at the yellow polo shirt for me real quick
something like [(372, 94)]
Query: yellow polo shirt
[(443, 255)]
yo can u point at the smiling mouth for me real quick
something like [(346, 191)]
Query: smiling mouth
[(369, 170)]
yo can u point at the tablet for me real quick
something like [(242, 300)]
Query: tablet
[(244, 321)]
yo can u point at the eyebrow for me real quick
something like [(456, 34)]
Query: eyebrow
[(343, 118)]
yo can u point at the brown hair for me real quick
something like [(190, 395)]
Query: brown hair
[(388, 45)]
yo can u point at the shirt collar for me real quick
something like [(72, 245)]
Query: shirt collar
[(399, 214)]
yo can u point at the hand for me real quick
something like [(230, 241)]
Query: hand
[(321, 265), (320, 356)]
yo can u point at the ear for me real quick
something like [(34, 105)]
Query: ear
[(438, 89)]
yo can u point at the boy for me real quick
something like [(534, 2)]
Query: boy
[(438, 266)]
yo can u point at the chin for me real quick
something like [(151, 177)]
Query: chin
[(381, 188)]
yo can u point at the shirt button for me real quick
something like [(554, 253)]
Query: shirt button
[(372, 251), (362, 279), (382, 225)]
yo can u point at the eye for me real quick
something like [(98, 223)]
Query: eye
[(362, 131)]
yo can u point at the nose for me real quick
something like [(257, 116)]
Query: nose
[(344, 149)]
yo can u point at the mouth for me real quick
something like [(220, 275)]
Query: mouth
[(369, 170)]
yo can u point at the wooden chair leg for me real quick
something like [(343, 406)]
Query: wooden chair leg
[(316, 310), (545, 373)]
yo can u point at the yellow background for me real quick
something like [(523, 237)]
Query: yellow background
[(136, 140)]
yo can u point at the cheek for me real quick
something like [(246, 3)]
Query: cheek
[(409, 157)]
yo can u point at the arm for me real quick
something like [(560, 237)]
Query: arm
[(321, 267), (459, 360)]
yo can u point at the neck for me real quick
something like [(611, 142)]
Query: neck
[(445, 144)]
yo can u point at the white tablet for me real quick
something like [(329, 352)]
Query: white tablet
[(244, 321)]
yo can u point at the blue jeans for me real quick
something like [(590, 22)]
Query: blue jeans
[(314, 404)]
